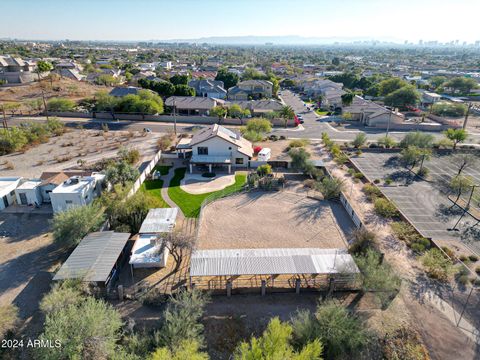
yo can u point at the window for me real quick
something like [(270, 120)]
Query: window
[(68, 201), (239, 161), (48, 191), (12, 193), (202, 150)]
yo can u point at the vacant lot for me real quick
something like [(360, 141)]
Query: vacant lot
[(65, 151), (64, 88), (279, 149), (273, 220), (27, 259)]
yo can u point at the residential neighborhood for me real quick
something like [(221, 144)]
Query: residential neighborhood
[(276, 186)]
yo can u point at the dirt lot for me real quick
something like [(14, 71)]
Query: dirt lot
[(27, 258), (273, 220), (279, 149), (63, 152), (63, 88)]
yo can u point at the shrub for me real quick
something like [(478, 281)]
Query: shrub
[(9, 316), (60, 105), (362, 240), (463, 258), (405, 232), (423, 172), (359, 140), (341, 158), (165, 142), (358, 175), (335, 150), (385, 208), (388, 181), (404, 344), (418, 247), (477, 270), (299, 143), (372, 192), (448, 251), (473, 258), (264, 170), (330, 187), (437, 265)]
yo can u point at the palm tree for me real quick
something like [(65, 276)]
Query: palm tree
[(287, 113)]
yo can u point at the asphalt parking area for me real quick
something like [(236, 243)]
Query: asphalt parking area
[(421, 202)]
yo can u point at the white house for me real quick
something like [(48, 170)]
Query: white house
[(28, 193), (150, 249), (217, 146), (76, 191), (7, 190)]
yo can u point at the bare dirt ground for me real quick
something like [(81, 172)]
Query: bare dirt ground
[(272, 220), (442, 337), (63, 88), (28, 258), (279, 149), (64, 152)]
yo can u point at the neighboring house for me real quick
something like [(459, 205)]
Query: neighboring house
[(76, 191), (371, 114), (70, 74), (258, 107), (323, 87), (50, 180), (97, 259), (7, 190), (209, 88), (429, 98), (208, 75), (150, 249), (189, 105), (14, 70), (28, 193), (122, 91), (217, 146), (254, 89)]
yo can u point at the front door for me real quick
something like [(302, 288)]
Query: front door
[(23, 199), (5, 201)]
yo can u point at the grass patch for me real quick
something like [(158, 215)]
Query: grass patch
[(154, 189), (190, 203)]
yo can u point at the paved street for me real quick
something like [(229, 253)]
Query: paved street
[(313, 128)]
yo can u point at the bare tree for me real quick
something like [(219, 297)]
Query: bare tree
[(179, 243), (465, 161)]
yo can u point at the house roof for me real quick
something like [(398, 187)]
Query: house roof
[(243, 145), (122, 91), (93, 259), (256, 83), (258, 105), (8, 184), (58, 177), (159, 220), (230, 262), (192, 102)]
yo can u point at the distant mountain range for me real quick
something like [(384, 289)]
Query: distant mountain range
[(277, 40)]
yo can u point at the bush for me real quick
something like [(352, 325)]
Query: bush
[(404, 344), (448, 251), (449, 109), (362, 240), (342, 333), (331, 188), (405, 232), (73, 224), (341, 158), (9, 316), (371, 191), (60, 105), (165, 142), (388, 181), (473, 258), (358, 175), (477, 270), (264, 170), (359, 140), (385, 208), (437, 265), (299, 143)]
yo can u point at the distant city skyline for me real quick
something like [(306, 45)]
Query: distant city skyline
[(312, 20)]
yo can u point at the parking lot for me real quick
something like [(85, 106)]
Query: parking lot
[(424, 203)]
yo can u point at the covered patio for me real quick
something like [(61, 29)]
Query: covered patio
[(211, 161)]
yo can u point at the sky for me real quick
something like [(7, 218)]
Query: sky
[(131, 20)]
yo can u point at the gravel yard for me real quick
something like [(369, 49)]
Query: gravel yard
[(64, 152), (273, 220)]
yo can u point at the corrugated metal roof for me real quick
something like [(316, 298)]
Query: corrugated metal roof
[(93, 259), (159, 221), (229, 262)]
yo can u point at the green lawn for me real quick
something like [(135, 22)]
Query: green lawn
[(190, 203), (154, 188)]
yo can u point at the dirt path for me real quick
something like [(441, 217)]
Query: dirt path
[(442, 337), (166, 183)]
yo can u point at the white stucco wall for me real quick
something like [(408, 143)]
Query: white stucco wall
[(220, 147)]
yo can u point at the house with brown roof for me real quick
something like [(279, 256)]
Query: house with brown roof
[(217, 147), (51, 179)]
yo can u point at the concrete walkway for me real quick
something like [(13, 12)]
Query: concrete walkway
[(166, 183)]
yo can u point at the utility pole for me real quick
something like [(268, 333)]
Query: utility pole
[(466, 116), (4, 123), (388, 124)]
